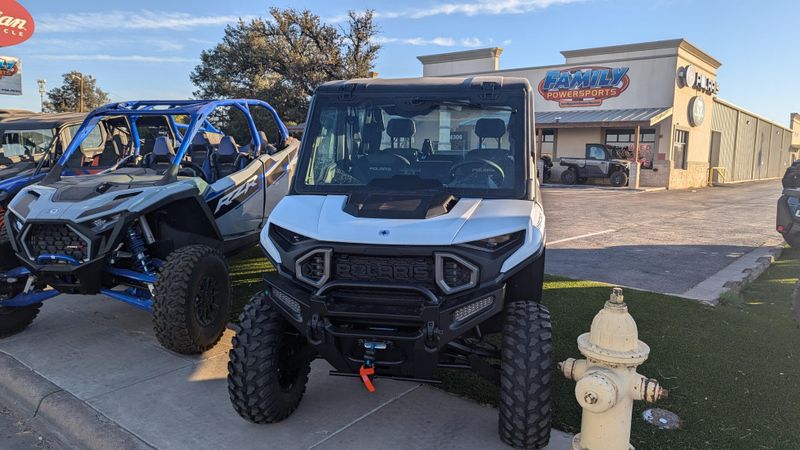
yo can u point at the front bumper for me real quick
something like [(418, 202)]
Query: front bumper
[(412, 321), (86, 278), (61, 271)]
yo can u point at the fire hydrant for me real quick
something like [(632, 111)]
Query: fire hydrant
[(607, 382)]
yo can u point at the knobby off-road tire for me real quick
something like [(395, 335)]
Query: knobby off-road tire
[(269, 364), (526, 371), (13, 320), (192, 299), (569, 176), (619, 178)]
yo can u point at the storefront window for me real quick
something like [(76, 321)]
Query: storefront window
[(625, 139), (680, 148), (549, 143)]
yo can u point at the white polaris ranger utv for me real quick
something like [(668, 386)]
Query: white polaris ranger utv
[(412, 232)]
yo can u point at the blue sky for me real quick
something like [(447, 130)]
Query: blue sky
[(146, 49)]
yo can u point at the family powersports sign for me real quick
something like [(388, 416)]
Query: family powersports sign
[(584, 86)]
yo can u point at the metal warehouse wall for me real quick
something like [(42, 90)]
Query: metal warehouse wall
[(761, 159), (724, 121), (744, 152), (751, 148), (776, 167)]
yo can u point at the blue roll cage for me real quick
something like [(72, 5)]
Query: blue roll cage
[(197, 110)]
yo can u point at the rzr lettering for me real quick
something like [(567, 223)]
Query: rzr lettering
[(229, 198)]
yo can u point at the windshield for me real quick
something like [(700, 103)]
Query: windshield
[(394, 143), (26, 142)]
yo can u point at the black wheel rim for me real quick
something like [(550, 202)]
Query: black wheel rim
[(206, 305)]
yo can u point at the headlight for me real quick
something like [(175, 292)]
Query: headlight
[(496, 243), (16, 222), (285, 238)]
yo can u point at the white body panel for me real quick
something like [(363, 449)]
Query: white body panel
[(322, 218)]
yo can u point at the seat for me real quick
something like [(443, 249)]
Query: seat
[(490, 128), (75, 160), (225, 158), (199, 152), (161, 157), (147, 146), (266, 147), (113, 151), (400, 132)]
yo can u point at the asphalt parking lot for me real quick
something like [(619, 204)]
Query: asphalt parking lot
[(18, 433), (661, 241)]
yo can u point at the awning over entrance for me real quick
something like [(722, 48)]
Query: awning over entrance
[(602, 117)]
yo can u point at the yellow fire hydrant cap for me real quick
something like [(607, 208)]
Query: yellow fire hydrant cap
[(614, 334)]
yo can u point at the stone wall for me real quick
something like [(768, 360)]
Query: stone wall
[(695, 175), (657, 177)]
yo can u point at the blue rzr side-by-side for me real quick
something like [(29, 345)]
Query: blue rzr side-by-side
[(167, 194)]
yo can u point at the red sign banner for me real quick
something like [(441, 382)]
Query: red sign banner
[(16, 23)]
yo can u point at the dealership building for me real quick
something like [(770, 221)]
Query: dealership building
[(662, 95)]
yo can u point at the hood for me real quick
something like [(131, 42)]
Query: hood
[(81, 199), (323, 218)]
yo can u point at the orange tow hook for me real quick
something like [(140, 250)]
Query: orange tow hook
[(365, 372)]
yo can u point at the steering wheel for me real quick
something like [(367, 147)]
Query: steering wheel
[(198, 171), (479, 167)]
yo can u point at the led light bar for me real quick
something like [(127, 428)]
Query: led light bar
[(465, 312)]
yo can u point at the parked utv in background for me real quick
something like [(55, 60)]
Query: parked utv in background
[(547, 168), (30, 144), (399, 252), (788, 216), (600, 162), (155, 231)]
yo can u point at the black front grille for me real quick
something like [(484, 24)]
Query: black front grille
[(391, 302), (55, 239), (413, 270)]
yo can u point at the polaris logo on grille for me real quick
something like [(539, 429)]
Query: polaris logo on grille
[(377, 268)]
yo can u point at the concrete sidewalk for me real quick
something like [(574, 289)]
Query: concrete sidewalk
[(105, 355)]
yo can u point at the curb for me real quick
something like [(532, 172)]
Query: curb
[(752, 273), (736, 277), (73, 421)]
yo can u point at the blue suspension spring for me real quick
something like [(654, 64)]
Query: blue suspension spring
[(136, 246)]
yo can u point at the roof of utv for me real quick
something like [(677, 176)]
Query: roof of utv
[(6, 113), (40, 120), (423, 84)]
